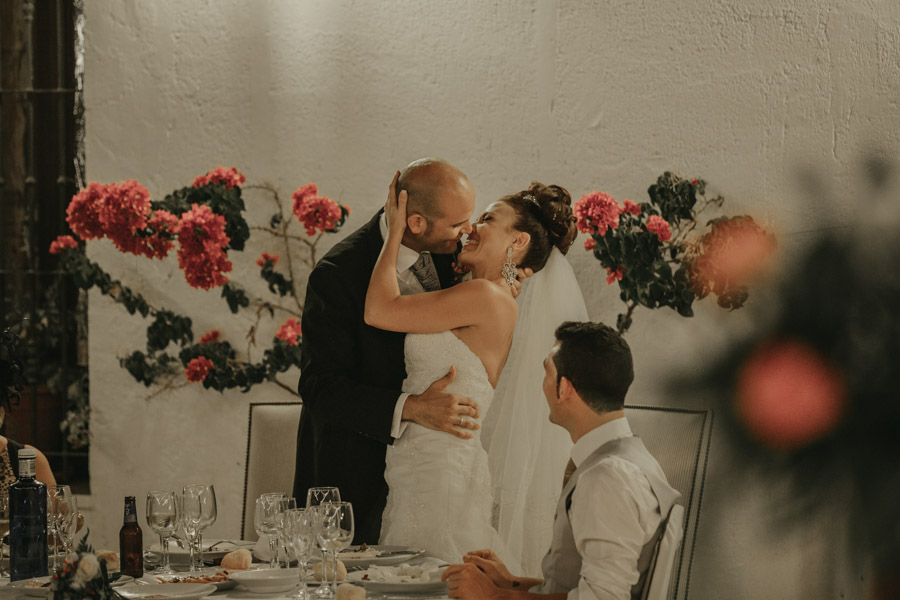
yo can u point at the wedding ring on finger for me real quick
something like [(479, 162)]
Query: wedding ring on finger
[(460, 420)]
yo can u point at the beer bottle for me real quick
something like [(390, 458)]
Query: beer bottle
[(131, 542)]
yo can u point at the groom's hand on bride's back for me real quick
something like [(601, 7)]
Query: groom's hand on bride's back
[(439, 410)]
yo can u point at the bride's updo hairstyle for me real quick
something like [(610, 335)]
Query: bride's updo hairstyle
[(545, 213)]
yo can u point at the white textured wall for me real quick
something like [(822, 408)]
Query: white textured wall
[(591, 95)]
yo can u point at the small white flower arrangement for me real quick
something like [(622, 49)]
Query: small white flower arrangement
[(83, 575)]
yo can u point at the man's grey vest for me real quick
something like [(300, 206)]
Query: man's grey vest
[(561, 566)]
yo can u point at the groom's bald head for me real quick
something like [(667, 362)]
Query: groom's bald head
[(430, 184)]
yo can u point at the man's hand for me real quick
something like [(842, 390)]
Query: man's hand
[(491, 565), (468, 582), (436, 409), (521, 276)]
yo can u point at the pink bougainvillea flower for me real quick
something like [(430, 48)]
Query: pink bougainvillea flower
[(590, 244), (659, 226), (614, 276), (124, 212), (210, 336), (262, 260), (61, 243), (304, 193), (317, 213), (788, 396), (228, 177), (156, 240), (733, 253), (630, 207), (290, 332), (83, 212), (198, 368), (596, 213), (201, 247)]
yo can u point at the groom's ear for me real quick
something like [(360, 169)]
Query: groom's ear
[(416, 223)]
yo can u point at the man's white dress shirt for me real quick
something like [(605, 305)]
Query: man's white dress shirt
[(613, 514), (409, 284)]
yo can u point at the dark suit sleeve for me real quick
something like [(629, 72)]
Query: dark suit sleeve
[(331, 360)]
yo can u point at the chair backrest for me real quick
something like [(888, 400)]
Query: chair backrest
[(660, 577), (679, 439), (271, 455)]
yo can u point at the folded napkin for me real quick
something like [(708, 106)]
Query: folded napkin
[(430, 569)]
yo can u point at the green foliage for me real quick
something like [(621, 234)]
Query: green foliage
[(168, 327), (221, 200), (278, 284)]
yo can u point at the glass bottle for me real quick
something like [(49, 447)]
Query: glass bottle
[(131, 542), (28, 521)]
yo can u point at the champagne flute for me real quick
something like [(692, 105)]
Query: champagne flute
[(69, 524), (314, 497), (302, 533), (191, 514), (57, 499), (206, 499), (162, 517), (4, 526), (283, 505), (264, 521)]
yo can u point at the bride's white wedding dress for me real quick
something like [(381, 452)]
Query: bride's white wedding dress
[(440, 496)]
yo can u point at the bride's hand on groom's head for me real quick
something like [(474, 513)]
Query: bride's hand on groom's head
[(439, 410), (395, 206)]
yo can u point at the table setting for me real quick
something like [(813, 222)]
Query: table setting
[(303, 553)]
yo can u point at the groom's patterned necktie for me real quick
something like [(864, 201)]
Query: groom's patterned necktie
[(570, 468), (425, 272)]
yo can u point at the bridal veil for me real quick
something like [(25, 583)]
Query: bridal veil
[(527, 453)]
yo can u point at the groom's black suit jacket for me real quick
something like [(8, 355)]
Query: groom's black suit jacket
[(350, 378)]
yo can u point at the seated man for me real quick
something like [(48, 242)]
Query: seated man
[(612, 508)]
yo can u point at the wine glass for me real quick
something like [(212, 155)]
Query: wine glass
[(334, 533), (265, 522), (314, 497), (284, 504), (162, 517), (4, 526), (203, 499), (301, 532), (190, 511)]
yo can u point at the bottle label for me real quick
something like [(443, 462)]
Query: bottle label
[(26, 467), (130, 511)]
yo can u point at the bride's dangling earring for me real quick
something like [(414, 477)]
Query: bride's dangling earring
[(509, 268)]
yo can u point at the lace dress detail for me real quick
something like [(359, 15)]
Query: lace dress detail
[(439, 495)]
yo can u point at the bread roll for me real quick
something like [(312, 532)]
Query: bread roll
[(341, 570), (237, 560), (111, 558), (348, 591)]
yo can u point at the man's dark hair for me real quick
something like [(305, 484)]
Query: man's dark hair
[(597, 361)]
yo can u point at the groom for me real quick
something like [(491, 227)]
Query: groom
[(350, 373)]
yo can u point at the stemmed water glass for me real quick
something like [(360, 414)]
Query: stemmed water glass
[(200, 502), (265, 522), (68, 523), (314, 497), (334, 533), (301, 532), (162, 517)]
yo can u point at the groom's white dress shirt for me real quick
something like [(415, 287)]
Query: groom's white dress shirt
[(613, 514), (409, 284)]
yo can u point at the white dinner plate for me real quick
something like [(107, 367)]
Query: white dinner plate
[(386, 555), (43, 592), (175, 591), (181, 556), (267, 581), (392, 587), (181, 577)]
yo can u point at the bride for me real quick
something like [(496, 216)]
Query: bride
[(440, 495)]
